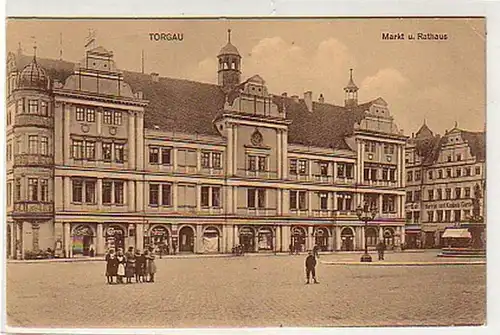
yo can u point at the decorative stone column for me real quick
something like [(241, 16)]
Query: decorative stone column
[(100, 248), (35, 227), (67, 240), (279, 245), (338, 240), (310, 238), (139, 236)]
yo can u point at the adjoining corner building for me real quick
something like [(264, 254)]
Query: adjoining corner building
[(445, 176), (101, 158)]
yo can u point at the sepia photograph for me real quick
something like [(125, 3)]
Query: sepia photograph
[(245, 172)]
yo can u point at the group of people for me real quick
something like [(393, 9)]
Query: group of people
[(129, 265)]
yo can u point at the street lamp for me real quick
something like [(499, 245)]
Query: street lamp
[(366, 213)]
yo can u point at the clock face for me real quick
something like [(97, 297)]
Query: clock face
[(256, 138)]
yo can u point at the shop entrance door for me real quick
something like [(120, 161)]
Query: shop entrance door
[(186, 239)]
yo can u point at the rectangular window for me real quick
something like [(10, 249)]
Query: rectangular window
[(9, 151), (457, 215), (418, 195), (153, 194), (373, 174), (439, 194), (107, 118), (448, 173), (302, 166), (107, 152), (478, 170), (9, 194), (119, 194), (252, 163), (467, 192), (215, 197), (32, 189), (154, 155), (458, 172), (44, 108), (466, 214), (417, 175), (468, 171), (44, 145), (261, 160), (90, 150), (409, 216), (366, 174), (20, 106), (17, 190), (458, 192), (323, 169), (440, 174), (302, 200), (216, 160), (431, 195), (409, 176), (416, 217), (166, 156), (370, 146), (205, 159), (459, 157), (90, 115), (117, 118), (449, 158), (107, 188), (392, 174), (166, 195), (80, 114), (323, 200), (9, 118), (430, 216), (349, 168), (344, 201), (119, 153), (77, 190), (251, 197), (409, 196), (447, 216), (44, 190), (388, 204), (77, 149), (293, 166), (430, 175), (448, 194), (90, 191), (205, 191), (385, 174), (439, 216), (33, 144), (293, 199), (341, 170), (33, 106), (261, 195)]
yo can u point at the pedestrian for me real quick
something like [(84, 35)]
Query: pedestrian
[(316, 251), (297, 248), (311, 268), (140, 264), (130, 265), (160, 249), (111, 266), (120, 273), (381, 249), (290, 248), (150, 266)]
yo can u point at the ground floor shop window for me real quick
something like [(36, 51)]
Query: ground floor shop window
[(211, 240), (371, 237), (265, 239), (82, 241), (389, 237), (298, 239), (159, 238), (247, 239), (115, 238), (321, 238), (186, 239)]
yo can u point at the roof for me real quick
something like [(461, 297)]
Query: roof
[(229, 49), (477, 143), (424, 132), (191, 107)]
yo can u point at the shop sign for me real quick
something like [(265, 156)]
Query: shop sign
[(449, 205)]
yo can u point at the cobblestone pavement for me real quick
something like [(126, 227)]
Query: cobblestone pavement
[(247, 292)]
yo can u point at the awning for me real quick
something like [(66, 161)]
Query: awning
[(456, 233)]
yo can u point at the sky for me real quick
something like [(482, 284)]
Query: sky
[(441, 82)]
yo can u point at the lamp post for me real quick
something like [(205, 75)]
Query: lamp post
[(366, 213)]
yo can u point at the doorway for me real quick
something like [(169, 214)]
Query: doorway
[(82, 240), (186, 239), (115, 238), (247, 239), (347, 237)]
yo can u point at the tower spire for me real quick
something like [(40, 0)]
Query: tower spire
[(351, 92), (229, 36)]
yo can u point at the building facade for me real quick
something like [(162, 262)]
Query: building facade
[(443, 176), (98, 158)]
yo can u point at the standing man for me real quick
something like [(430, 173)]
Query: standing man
[(311, 268), (380, 249), (316, 251)]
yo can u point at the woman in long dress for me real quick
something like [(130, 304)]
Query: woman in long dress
[(140, 264), (150, 266), (130, 265), (111, 265), (121, 266)]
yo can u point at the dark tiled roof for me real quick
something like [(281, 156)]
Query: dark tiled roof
[(190, 107)]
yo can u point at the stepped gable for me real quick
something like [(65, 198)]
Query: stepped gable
[(190, 107), (477, 143)]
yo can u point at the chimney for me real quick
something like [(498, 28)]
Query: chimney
[(321, 98), (284, 94), (308, 100), (412, 135), (155, 77), (295, 98)]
